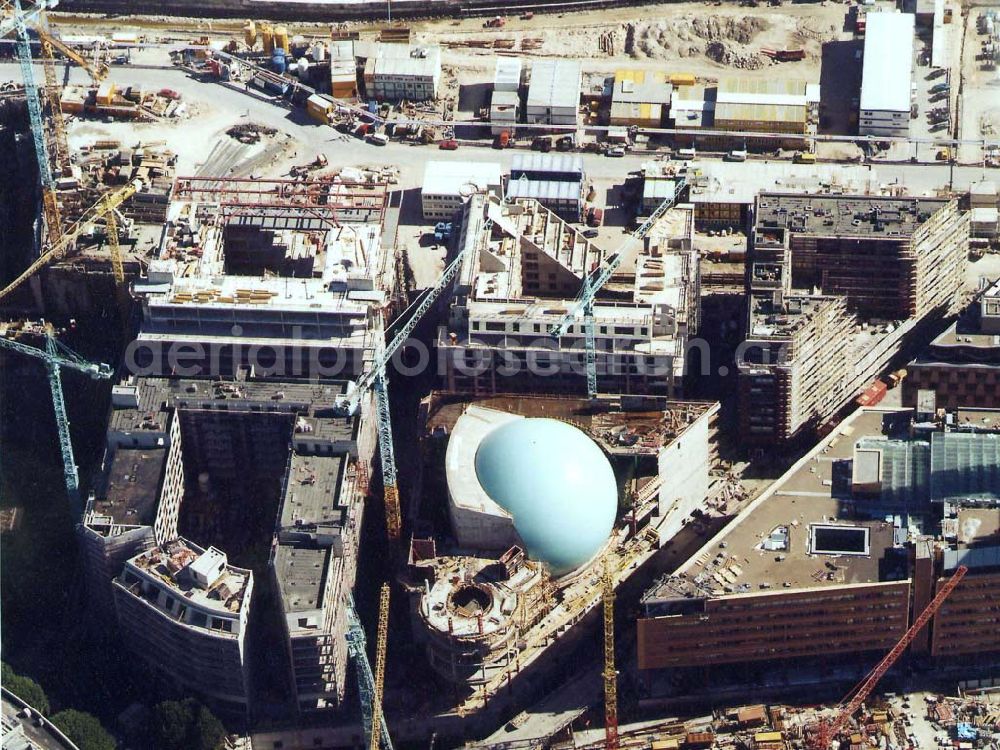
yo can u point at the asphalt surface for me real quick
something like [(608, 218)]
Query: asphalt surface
[(218, 107)]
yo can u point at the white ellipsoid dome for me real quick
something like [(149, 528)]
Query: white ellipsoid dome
[(557, 485)]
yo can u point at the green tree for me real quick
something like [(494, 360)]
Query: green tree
[(185, 725), (24, 688), (85, 730)]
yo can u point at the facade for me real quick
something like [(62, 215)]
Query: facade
[(505, 111), (184, 610), (887, 74), (836, 286), (516, 283), (984, 204), (448, 184), (961, 367), (851, 585), (270, 297), (640, 98), (343, 70), (777, 105), (557, 181), (400, 71), (554, 92)]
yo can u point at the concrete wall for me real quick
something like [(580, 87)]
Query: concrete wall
[(684, 466)]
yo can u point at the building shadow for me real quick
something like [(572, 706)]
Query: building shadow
[(840, 82)]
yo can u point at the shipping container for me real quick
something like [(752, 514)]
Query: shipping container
[(873, 394)]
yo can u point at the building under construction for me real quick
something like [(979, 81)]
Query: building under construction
[(836, 558), (518, 279), (510, 584), (961, 367), (836, 288), (276, 304)]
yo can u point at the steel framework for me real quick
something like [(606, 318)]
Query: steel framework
[(610, 673), (327, 200), (356, 645), (596, 279), (56, 356), (827, 731), (104, 206), (378, 714), (50, 206)]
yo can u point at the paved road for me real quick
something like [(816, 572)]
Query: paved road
[(219, 107)]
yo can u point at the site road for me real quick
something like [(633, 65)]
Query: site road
[(218, 107)]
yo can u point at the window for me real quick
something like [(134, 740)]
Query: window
[(494, 326)]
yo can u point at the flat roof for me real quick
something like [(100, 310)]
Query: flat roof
[(312, 491), (555, 83), (767, 546), (461, 177), (535, 161), (740, 182), (132, 489), (311, 403), (888, 62), (507, 74), (641, 87), (845, 215), (544, 190)]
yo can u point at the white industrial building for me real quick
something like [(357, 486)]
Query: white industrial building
[(887, 75), (448, 184), (507, 75), (505, 110), (554, 92), (557, 181), (399, 71)]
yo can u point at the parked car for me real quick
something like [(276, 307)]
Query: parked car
[(449, 145), (590, 234), (617, 151)]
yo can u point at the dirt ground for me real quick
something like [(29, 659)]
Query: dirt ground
[(979, 113), (698, 38), (690, 37)]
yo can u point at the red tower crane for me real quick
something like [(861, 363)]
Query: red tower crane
[(827, 731)]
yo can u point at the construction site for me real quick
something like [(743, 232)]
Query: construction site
[(377, 424)]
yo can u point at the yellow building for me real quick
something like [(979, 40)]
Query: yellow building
[(640, 98)]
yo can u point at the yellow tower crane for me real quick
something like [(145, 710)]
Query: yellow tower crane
[(380, 644), (105, 206), (60, 143), (97, 71), (610, 673)]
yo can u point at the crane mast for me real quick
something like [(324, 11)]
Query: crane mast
[(827, 731), (356, 645), (56, 356), (380, 646), (593, 282), (50, 206), (104, 206), (610, 673)]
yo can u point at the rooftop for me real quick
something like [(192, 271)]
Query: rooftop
[(845, 215), (141, 404), (536, 161), (132, 490), (731, 182), (772, 543), (555, 83), (461, 177), (888, 62), (197, 576)]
